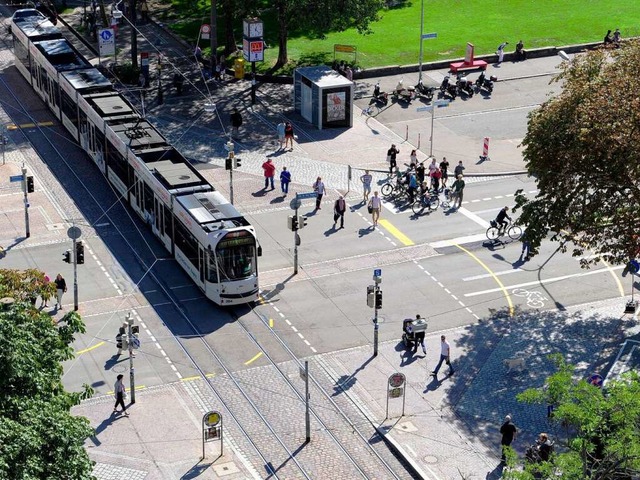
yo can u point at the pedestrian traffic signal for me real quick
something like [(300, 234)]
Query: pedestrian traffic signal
[(378, 299), (370, 296), (30, 188), (228, 163), (302, 221), (292, 223), (119, 341), (66, 256), (135, 329), (79, 253), (236, 162)]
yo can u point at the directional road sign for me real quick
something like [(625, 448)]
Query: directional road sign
[(442, 103), (377, 272), (425, 36), (306, 195), (426, 108), (16, 178)]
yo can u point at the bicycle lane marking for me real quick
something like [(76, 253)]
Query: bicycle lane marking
[(493, 275)]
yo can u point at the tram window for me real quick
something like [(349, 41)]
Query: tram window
[(186, 243), (99, 141), (55, 93), (83, 124), (235, 263), (212, 274), (118, 164), (22, 54), (167, 221), (148, 198), (69, 108)]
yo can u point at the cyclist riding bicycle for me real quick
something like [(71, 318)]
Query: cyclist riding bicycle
[(500, 219)]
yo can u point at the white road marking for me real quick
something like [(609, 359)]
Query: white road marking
[(542, 282), (472, 216), (459, 241), (488, 275)]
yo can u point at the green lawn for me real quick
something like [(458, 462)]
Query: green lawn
[(395, 38)]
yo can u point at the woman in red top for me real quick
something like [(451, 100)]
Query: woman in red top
[(436, 175), (269, 172)]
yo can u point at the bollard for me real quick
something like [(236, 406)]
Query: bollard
[(418, 141), (485, 149), (406, 135)]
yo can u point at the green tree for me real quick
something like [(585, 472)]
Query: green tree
[(603, 428), (583, 147), (317, 17), (39, 438)]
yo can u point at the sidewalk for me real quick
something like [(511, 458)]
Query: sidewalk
[(451, 424)]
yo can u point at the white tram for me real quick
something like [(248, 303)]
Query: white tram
[(209, 238)]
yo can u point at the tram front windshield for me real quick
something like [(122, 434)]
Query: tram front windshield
[(235, 256)]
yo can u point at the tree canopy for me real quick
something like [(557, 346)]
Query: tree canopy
[(603, 428), (583, 147), (39, 438)]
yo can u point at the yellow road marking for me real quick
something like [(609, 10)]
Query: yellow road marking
[(248, 362), (271, 323), (196, 377), (99, 344), (140, 387), (490, 272), (395, 232), (30, 125)]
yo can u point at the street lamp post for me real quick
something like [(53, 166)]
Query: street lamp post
[(421, 39)]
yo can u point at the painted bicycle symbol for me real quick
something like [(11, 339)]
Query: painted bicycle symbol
[(534, 299)]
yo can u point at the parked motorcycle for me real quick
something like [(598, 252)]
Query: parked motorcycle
[(379, 96), (464, 86), (448, 89), (482, 83), (426, 92), (402, 93)]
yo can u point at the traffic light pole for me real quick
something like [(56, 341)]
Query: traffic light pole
[(230, 147), (375, 322), (295, 244), (132, 376), (26, 201), (75, 275)]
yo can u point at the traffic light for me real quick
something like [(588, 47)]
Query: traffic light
[(370, 296), (30, 188), (292, 223), (135, 329), (66, 256), (228, 163), (378, 299), (302, 221), (121, 339), (236, 162), (79, 253)]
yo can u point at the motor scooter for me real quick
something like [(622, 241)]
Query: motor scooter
[(448, 89), (464, 86), (402, 93), (483, 84), (426, 92), (379, 96)]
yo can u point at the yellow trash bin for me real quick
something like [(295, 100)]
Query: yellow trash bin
[(238, 68)]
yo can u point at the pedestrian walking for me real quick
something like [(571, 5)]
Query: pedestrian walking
[(444, 169), (412, 186), (445, 356), (120, 393), (500, 51), (413, 159), (459, 169), (391, 158), (457, 192), (375, 204), (288, 135), (144, 10), (236, 123), (420, 172), (338, 211), (436, 175), (318, 187), (285, 179), (269, 172), (526, 246), (61, 288), (432, 166), (280, 128), (366, 180), (178, 82), (509, 432)]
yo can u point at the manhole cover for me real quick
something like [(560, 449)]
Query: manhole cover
[(431, 459)]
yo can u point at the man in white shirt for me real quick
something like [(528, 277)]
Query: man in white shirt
[(445, 356), (375, 204), (366, 180)]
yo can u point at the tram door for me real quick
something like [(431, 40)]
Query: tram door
[(137, 193), (202, 261), (159, 219)]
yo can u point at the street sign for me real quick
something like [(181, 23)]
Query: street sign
[(634, 266), (425, 36), (135, 342), (300, 196), (426, 108), (295, 203), (16, 178), (377, 272), (212, 418), (442, 103), (74, 233), (107, 41)]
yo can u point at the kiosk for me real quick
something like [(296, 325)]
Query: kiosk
[(323, 97)]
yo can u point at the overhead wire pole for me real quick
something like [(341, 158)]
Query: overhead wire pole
[(421, 34)]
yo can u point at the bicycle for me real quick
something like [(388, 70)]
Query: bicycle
[(446, 201), (494, 232), (428, 200), (534, 299), (399, 187)]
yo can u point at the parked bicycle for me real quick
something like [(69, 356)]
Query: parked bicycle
[(494, 232)]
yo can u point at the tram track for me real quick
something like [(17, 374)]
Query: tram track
[(332, 451)]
